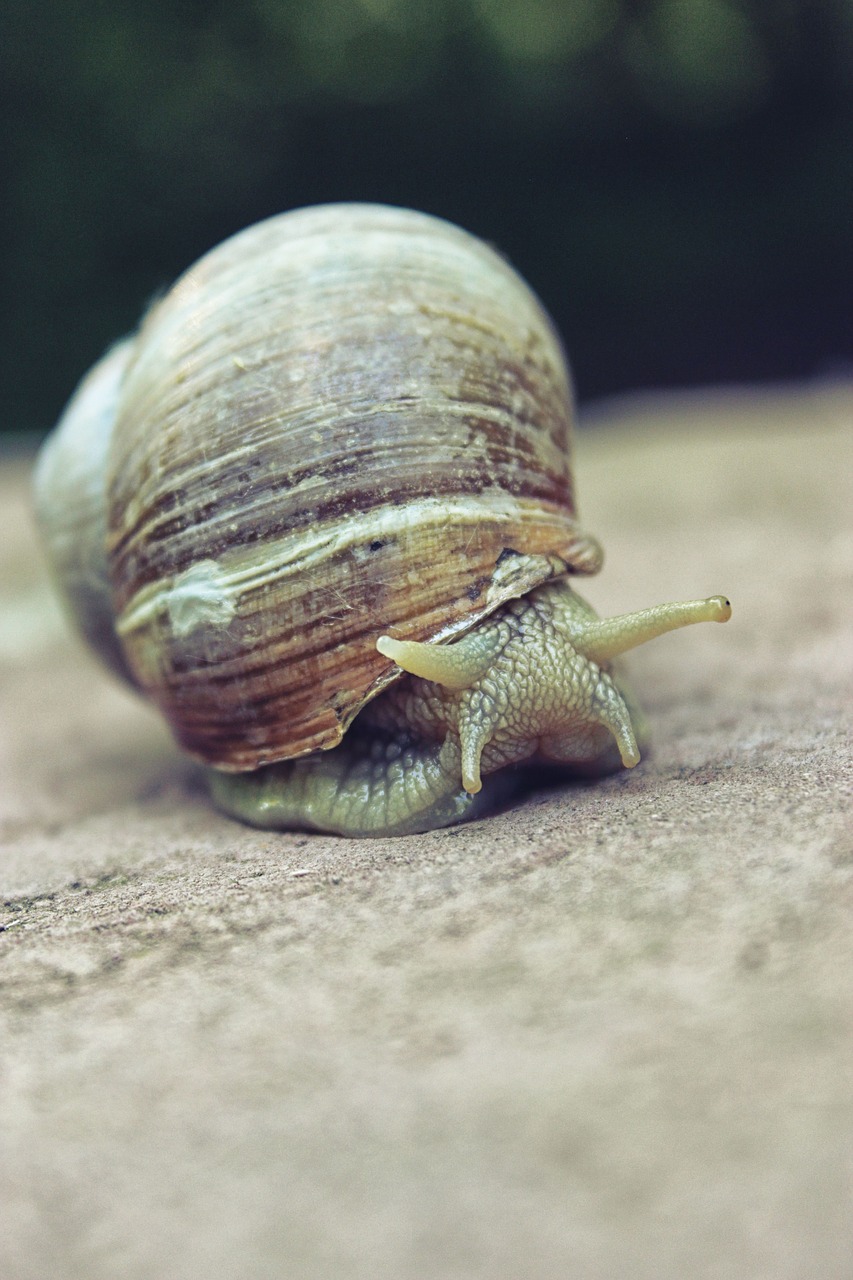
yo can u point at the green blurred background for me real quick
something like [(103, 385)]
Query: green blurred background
[(674, 177)]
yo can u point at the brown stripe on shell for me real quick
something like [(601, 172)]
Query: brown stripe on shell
[(308, 383)]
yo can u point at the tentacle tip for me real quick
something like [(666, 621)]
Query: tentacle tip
[(471, 778), (389, 647), (721, 608)]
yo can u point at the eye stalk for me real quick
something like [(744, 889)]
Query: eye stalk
[(607, 638)]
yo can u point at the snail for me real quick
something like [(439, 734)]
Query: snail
[(320, 510)]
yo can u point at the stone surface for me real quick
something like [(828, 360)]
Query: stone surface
[(607, 1033)]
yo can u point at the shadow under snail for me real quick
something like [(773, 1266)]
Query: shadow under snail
[(336, 452)]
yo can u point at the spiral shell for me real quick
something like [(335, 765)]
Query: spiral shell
[(344, 421)]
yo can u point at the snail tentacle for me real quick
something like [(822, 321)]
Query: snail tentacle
[(454, 666), (606, 638)]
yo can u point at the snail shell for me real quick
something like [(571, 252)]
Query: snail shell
[(344, 421)]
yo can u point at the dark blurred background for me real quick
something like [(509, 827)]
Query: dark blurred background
[(674, 177)]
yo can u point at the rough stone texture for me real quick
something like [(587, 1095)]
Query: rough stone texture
[(608, 1033)]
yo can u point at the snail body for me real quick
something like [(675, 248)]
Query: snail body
[(337, 450)]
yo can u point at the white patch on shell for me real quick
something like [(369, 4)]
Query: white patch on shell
[(208, 595), (200, 597)]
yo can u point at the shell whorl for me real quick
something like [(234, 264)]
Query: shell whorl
[(69, 487), (341, 422)]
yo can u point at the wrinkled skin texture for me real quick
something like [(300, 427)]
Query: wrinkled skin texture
[(532, 683)]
